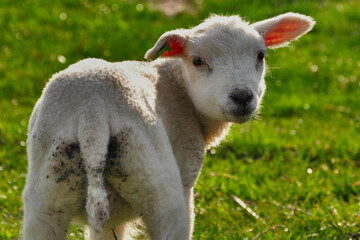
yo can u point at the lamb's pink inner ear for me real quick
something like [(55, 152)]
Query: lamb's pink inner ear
[(284, 31), (177, 48)]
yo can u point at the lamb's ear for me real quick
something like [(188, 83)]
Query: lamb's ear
[(170, 44), (280, 30)]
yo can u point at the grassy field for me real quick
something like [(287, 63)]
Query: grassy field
[(297, 167)]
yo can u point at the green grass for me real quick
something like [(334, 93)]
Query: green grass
[(297, 166)]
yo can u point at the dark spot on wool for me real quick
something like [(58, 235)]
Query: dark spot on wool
[(113, 148), (60, 179), (70, 149), (115, 155), (102, 216), (67, 165)]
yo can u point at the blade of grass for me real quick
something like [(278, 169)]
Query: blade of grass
[(248, 209)]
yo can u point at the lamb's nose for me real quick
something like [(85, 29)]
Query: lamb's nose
[(242, 96)]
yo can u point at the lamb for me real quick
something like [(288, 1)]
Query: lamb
[(109, 143)]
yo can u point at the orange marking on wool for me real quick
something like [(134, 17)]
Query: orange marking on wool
[(177, 48)]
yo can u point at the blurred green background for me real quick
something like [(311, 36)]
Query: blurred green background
[(297, 166)]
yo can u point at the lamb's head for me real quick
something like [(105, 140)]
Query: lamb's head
[(223, 60)]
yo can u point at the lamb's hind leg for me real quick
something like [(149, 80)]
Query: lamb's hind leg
[(150, 182), (41, 220)]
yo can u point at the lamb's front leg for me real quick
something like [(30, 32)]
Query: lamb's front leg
[(190, 164), (189, 198)]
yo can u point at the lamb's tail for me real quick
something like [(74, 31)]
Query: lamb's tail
[(93, 135)]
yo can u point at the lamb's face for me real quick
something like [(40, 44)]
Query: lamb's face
[(224, 69), (223, 60)]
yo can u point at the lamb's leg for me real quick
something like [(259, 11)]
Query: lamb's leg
[(160, 202), (41, 220), (189, 197), (166, 217), (152, 185)]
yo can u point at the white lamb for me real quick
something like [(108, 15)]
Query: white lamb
[(109, 143)]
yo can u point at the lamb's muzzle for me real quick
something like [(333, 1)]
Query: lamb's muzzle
[(242, 97)]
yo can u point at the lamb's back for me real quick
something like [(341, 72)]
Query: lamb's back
[(123, 90)]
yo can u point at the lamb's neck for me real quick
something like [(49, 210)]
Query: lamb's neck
[(213, 130)]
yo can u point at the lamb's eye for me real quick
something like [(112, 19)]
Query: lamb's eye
[(260, 56), (197, 61)]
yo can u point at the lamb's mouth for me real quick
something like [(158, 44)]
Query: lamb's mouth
[(238, 116), (242, 111)]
